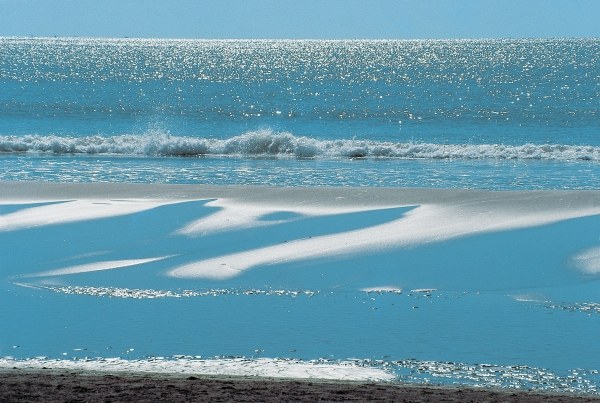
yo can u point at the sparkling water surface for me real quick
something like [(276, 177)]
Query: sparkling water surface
[(499, 101)]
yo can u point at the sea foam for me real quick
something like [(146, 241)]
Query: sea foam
[(284, 144), (265, 367)]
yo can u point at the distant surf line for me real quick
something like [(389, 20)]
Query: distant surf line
[(269, 143)]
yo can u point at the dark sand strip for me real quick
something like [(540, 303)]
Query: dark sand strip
[(63, 386)]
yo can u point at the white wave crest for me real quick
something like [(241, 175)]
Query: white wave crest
[(282, 144)]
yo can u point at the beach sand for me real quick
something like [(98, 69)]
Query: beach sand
[(58, 386), (406, 218)]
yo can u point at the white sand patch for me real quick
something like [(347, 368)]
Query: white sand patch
[(263, 367), (233, 215), (95, 266), (76, 210), (424, 224), (588, 261), (439, 215)]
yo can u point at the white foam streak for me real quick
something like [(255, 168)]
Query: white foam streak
[(263, 367), (281, 144), (382, 289)]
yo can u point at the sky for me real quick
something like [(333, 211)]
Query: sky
[(302, 19)]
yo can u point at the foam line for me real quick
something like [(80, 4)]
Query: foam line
[(281, 144), (382, 289), (264, 367)]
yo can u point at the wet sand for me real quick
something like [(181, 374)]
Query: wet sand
[(63, 386)]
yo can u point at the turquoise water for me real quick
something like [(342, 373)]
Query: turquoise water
[(498, 114), (501, 309), (504, 309)]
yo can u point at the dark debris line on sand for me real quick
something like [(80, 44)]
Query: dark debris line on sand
[(56, 386)]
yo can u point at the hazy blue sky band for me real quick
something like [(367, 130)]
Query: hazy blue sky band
[(308, 19)]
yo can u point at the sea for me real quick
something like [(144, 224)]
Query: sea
[(489, 114), (498, 114)]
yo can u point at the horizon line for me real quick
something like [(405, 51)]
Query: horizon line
[(300, 39)]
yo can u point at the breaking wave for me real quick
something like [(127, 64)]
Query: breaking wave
[(283, 144)]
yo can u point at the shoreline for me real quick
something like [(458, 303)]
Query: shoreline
[(50, 385), (352, 197), (308, 229)]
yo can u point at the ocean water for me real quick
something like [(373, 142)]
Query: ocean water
[(514, 308), (492, 114)]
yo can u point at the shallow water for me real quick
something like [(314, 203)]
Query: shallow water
[(452, 173), (498, 306), (508, 308)]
